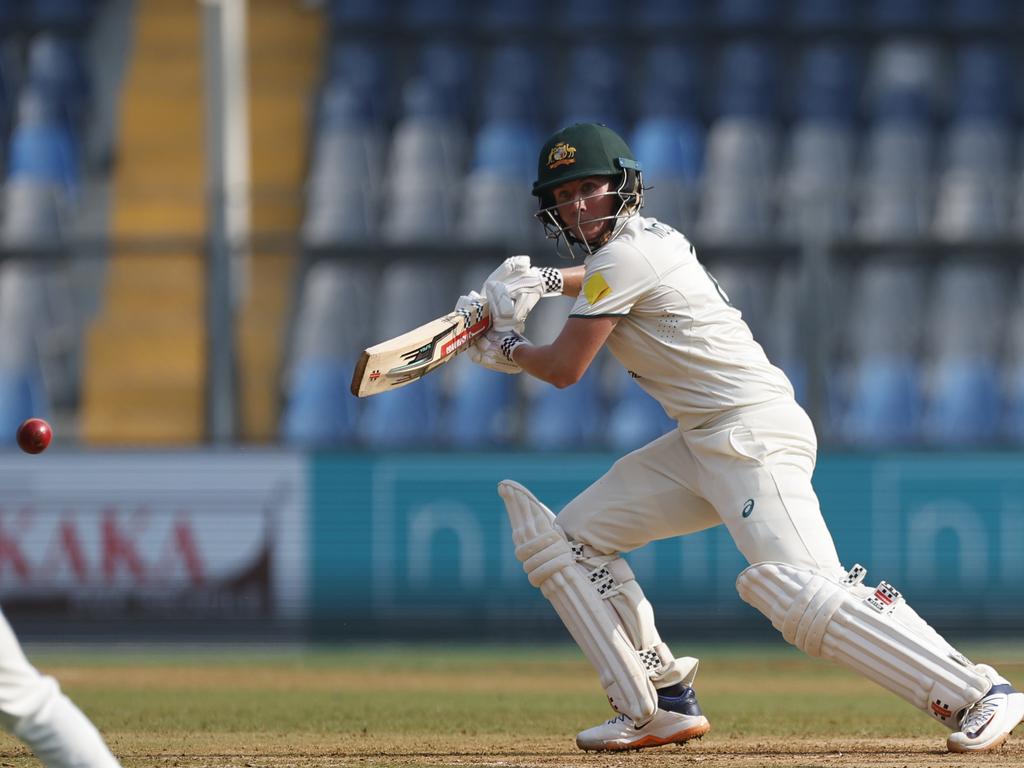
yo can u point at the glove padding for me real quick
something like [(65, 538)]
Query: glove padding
[(471, 302), (494, 350), (514, 288)]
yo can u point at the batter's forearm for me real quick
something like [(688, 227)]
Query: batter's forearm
[(572, 279), (544, 363)]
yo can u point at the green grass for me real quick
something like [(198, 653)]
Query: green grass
[(160, 705)]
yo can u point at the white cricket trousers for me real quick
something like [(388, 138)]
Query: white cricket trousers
[(33, 708), (749, 469)]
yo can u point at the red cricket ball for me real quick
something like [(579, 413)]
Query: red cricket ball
[(34, 435)]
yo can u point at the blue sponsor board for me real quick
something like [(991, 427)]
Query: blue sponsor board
[(419, 544)]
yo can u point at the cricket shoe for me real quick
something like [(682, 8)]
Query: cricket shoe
[(677, 720), (986, 724)]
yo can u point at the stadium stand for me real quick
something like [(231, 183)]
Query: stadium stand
[(881, 136)]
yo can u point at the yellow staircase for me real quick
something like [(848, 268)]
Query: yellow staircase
[(285, 44), (144, 380)]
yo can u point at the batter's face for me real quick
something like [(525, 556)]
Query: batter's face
[(586, 206)]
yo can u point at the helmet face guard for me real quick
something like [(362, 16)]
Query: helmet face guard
[(627, 188)]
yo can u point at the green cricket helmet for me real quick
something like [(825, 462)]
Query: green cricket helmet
[(577, 152)]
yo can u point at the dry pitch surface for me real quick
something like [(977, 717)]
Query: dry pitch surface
[(470, 706)]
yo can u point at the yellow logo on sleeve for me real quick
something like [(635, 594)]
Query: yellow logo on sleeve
[(596, 288)]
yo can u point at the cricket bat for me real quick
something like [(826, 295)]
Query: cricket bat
[(403, 359)]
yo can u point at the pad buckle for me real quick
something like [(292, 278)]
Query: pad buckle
[(855, 576), (885, 599), (603, 581)]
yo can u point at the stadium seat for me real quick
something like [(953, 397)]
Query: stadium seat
[(56, 68), (34, 213), (828, 83), (512, 83), (448, 67), (978, 15), (884, 407), (825, 15), (319, 410), (817, 181), (343, 187), (895, 189), (480, 411), (509, 16), (748, 82), (590, 16), (901, 15), (962, 404), (983, 83), (496, 205), (425, 169), (747, 14), (904, 80), (674, 16), (592, 88), (737, 202), (635, 418), (360, 14), (974, 189), (64, 15), (671, 82), (409, 417), (671, 151), (432, 16), (25, 322), (360, 71)]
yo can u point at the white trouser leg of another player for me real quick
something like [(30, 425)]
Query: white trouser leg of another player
[(33, 709)]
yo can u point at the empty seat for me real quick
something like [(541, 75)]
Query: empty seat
[(905, 79), (748, 81), (348, 14), (738, 198), (975, 186), (747, 14), (962, 403), (590, 16), (968, 308), (825, 15), (665, 15), (883, 336), (448, 67), (425, 165), (978, 15), (671, 151), (983, 82), (592, 88), (560, 418), (509, 16), (56, 67), (884, 408), (432, 16), (63, 15), (496, 205), (635, 418), (34, 213), (359, 72), (818, 168), (895, 190), (24, 326), (343, 186), (818, 176), (480, 410), (332, 326), (901, 15)]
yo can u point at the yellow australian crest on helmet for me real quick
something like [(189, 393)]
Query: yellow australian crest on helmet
[(561, 154)]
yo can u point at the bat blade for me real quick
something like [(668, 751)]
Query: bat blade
[(406, 358)]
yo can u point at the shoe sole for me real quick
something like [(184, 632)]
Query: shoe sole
[(679, 737)]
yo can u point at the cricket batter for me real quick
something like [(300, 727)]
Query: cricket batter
[(742, 455), (33, 708)]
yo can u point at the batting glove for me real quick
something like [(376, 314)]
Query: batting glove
[(494, 350)]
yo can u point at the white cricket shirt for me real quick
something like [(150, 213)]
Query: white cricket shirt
[(677, 334)]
